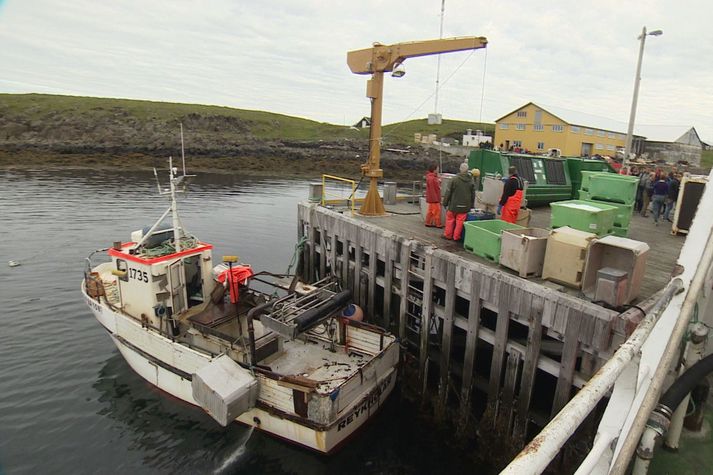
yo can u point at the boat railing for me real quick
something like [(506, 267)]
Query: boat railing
[(635, 375)]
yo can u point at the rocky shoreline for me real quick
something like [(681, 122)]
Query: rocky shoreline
[(308, 160)]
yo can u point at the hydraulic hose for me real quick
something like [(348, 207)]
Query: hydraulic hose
[(686, 383)]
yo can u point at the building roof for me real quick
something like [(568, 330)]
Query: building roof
[(581, 119)]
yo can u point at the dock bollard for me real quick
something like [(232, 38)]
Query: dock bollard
[(315, 192), (389, 192)]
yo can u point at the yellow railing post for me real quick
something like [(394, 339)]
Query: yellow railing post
[(351, 200)]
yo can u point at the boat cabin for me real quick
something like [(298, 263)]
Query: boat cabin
[(154, 284)]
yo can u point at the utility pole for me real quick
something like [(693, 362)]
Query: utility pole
[(637, 80)]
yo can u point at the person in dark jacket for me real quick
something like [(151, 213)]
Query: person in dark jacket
[(458, 201), (433, 197), (513, 184), (658, 200), (673, 185), (646, 183)]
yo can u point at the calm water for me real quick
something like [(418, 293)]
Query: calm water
[(68, 401)]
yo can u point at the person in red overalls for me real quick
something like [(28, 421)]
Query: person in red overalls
[(433, 197), (512, 197)]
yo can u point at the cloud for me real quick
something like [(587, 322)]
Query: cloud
[(290, 57)]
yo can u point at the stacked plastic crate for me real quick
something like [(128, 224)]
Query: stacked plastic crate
[(613, 190)]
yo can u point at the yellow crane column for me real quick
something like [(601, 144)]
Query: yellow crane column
[(376, 61)]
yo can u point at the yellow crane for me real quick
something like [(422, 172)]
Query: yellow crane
[(376, 61)]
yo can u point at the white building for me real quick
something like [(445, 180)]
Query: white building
[(474, 140)]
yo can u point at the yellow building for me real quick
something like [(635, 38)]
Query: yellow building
[(537, 130)]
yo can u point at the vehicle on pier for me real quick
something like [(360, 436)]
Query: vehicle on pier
[(291, 359)]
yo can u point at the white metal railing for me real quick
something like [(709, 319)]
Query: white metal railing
[(636, 372)]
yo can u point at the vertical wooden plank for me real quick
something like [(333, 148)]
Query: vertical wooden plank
[(322, 253), (426, 308), (405, 265), (388, 280), (501, 339), (569, 359), (312, 246), (471, 342), (529, 370), (356, 241), (299, 269), (333, 255), (448, 318), (373, 259), (512, 369), (345, 262)]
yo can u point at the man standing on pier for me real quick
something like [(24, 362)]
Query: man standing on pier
[(512, 196), (433, 197), (459, 200)]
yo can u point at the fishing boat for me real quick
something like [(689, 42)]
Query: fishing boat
[(295, 360)]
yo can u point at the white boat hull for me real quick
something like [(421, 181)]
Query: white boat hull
[(170, 365)]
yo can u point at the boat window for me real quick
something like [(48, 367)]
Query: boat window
[(122, 266), (555, 172)]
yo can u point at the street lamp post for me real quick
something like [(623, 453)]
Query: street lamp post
[(637, 80)]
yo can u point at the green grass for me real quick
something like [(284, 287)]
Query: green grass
[(260, 124), (403, 132), (707, 159)]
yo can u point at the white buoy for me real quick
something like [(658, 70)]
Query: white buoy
[(13, 263)]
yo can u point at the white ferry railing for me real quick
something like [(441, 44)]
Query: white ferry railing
[(636, 372)]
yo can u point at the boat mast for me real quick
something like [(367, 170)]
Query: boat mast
[(176, 220)]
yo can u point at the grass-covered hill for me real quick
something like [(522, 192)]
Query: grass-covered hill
[(87, 131)]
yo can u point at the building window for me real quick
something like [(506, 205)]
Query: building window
[(610, 147), (558, 128), (538, 127), (522, 113), (517, 143), (599, 146), (610, 135), (520, 126), (601, 133), (620, 137), (503, 126), (540, 145), (574, 129), (588, 132)]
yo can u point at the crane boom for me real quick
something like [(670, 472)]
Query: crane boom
[(376, 61), (383, 58)]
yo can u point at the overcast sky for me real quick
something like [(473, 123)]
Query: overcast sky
[(290, 56)]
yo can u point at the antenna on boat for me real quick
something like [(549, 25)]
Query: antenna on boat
[(183, 155), (174, 182)]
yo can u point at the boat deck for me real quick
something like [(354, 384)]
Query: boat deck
[(314, 360), (405, 219)]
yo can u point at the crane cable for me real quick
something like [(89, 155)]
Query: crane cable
[(443, 83)]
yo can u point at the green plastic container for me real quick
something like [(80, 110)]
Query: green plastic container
[(582, 195), (623, 213), (578, 165), (482, 238), (614, 188), (590, 216), (620, 232)]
